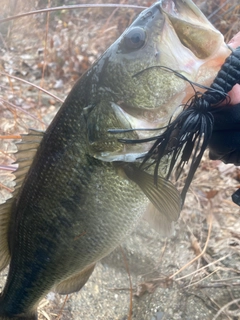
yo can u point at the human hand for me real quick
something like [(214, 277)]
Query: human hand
[(225, 141), (235, 92)]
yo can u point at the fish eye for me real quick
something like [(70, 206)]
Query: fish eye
[(135, 38)]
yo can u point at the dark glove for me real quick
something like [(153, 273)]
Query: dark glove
[(225, 141)]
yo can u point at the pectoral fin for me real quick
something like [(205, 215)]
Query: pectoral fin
[(164, 196), (75, 282), (27, 149)]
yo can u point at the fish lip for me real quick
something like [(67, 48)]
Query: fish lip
[(184, 10), (173, 7), (192, 28)]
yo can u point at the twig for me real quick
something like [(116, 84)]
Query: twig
[(225, 307), (217, 305), (209, 275), (32, 85), (22, 110), (8, 168), (203, 251), (61, 311), (10, 137), (219, 285), (208, 265), (5, 187), (72, 7), (130, 284)]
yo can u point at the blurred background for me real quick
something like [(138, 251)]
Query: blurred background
[(52, 50)]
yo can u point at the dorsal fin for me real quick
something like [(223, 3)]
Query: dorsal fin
[(27, 149)]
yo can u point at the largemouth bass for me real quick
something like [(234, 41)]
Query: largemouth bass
[(83, 191)]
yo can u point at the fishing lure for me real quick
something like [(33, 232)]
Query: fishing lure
[(189, 134)]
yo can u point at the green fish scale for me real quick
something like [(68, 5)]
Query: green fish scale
[(87, 207)]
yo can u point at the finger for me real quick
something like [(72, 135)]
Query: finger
[(235, 41), (225, 146)]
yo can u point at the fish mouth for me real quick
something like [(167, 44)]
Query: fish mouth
[(198, 50), (191, 26)]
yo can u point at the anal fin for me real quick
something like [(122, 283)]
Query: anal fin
[(75, 282)]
